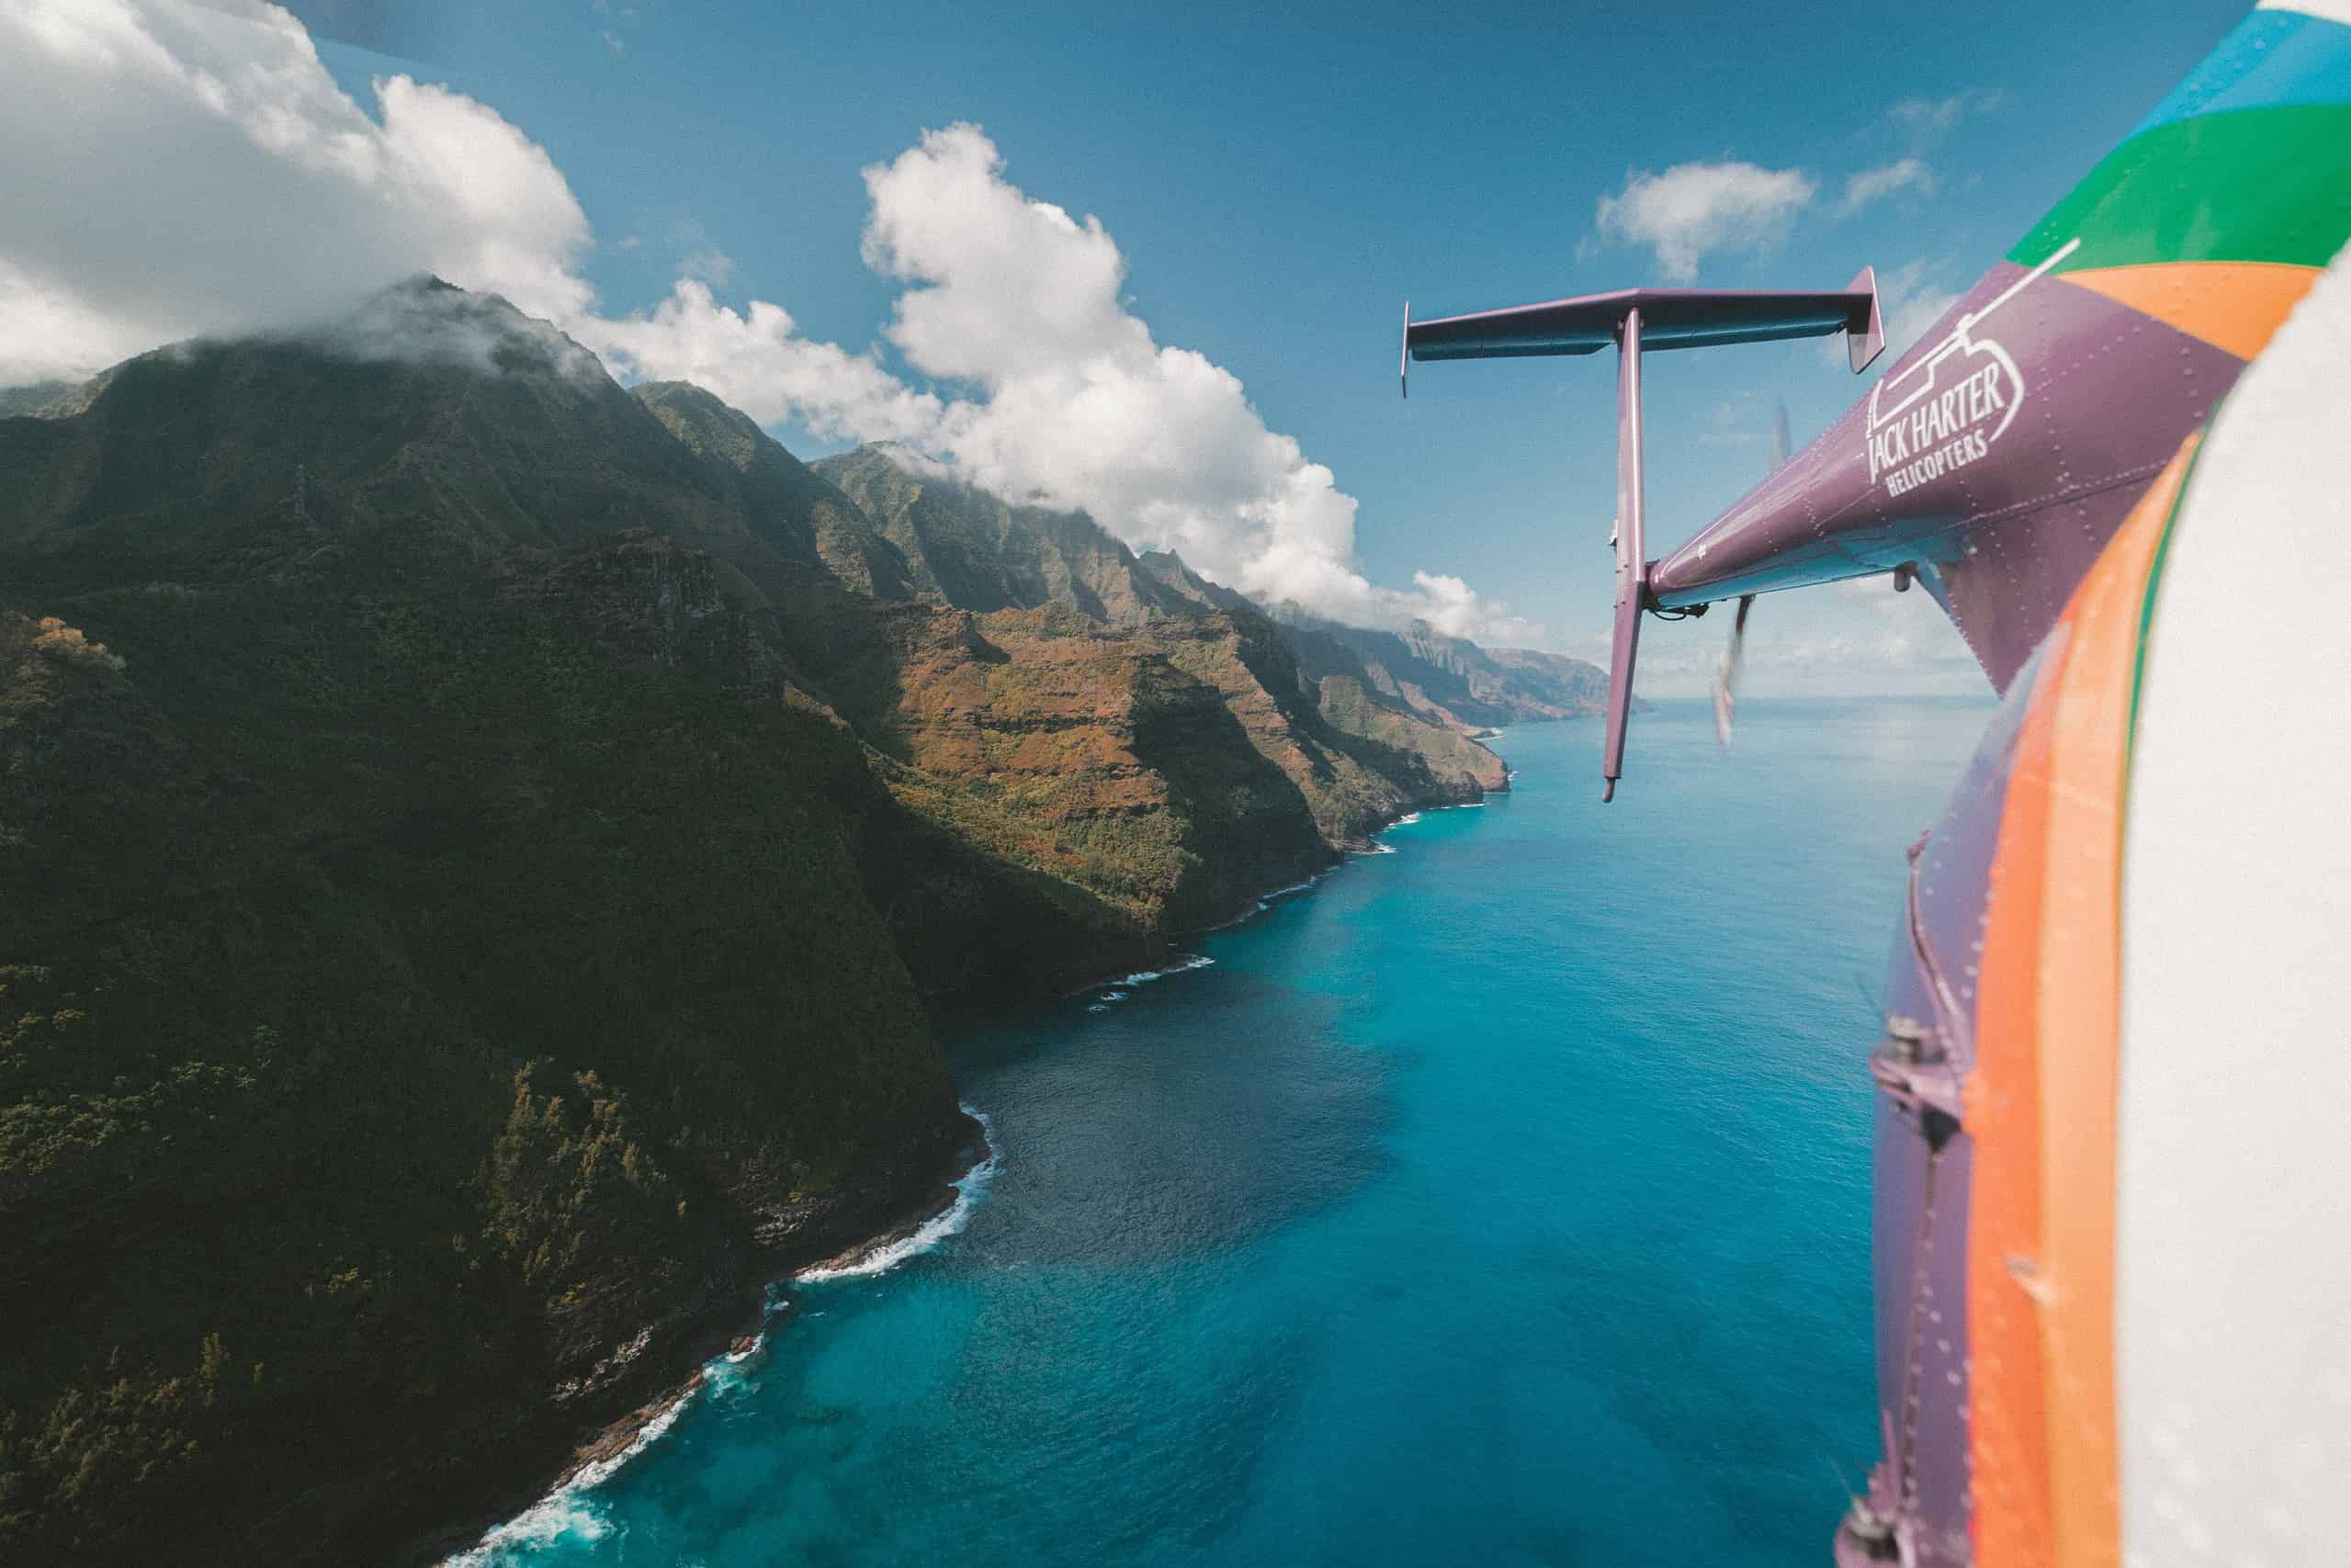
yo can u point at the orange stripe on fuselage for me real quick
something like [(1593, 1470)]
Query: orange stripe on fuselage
[(2006, 1440), (2041, 1100), (2235, 306)]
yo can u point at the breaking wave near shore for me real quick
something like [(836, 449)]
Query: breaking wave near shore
[(572, 1513), (969, 1188)]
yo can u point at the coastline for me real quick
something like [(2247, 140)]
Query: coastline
[(720, 1333), (731, 1327)]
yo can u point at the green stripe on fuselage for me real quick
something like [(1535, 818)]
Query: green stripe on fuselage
[(2265, 184)]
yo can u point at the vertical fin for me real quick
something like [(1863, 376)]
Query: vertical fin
[(1632, 555)]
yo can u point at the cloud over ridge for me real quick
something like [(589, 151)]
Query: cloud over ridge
[(241, 187), (1047, 387), (246, 191)]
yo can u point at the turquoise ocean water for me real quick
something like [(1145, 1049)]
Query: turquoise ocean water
[(1500, 1200)]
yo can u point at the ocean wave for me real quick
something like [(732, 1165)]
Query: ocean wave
[(931, 1231), (1376, 849), (730, 1373), (1406, 820), (1263, 902), (1144, 976), (567, 1513)]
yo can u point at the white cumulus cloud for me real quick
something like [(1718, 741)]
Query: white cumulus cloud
[(168, 169), (1936, 116), (1693, 208), (1046, 386), (1886, 179), (755, 359)]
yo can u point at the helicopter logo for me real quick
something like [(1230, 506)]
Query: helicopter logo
[(1948, 410)]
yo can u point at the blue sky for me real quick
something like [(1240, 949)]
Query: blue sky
[(1276, 190)]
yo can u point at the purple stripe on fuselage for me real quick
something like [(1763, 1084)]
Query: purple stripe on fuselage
[(1919, 1214), (1955, 868)]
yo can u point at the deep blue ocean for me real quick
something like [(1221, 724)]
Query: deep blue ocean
[(1500, 1200)]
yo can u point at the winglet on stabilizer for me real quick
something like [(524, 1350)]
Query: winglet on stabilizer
[(1861, 346), (1403, 355)]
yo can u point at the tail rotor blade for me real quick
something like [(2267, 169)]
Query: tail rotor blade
[(1726, 674)]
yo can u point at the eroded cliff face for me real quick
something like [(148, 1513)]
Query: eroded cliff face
[(1150, 785), (1356, 757)]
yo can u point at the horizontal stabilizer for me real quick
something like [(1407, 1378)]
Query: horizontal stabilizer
[(1638, 322), (1670, 318)]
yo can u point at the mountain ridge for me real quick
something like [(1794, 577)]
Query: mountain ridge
[(478, 848), (1452, 678)]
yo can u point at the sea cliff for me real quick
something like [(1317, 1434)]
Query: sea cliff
[(479, 848)]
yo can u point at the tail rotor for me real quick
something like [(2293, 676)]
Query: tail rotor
[(1726, 674), (1726, 666)]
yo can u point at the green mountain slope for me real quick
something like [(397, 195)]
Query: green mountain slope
[(453, 962), (429, 1007), (476, 846)]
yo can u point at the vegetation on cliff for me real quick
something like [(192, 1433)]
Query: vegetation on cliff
[(475, 846), (414, 1001)]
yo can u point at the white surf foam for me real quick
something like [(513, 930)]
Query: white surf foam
[(1406, 820), (730, 1373), (1265, 901), (938, 1228), (567, 1513), (1190, 961), (1376, 850)]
